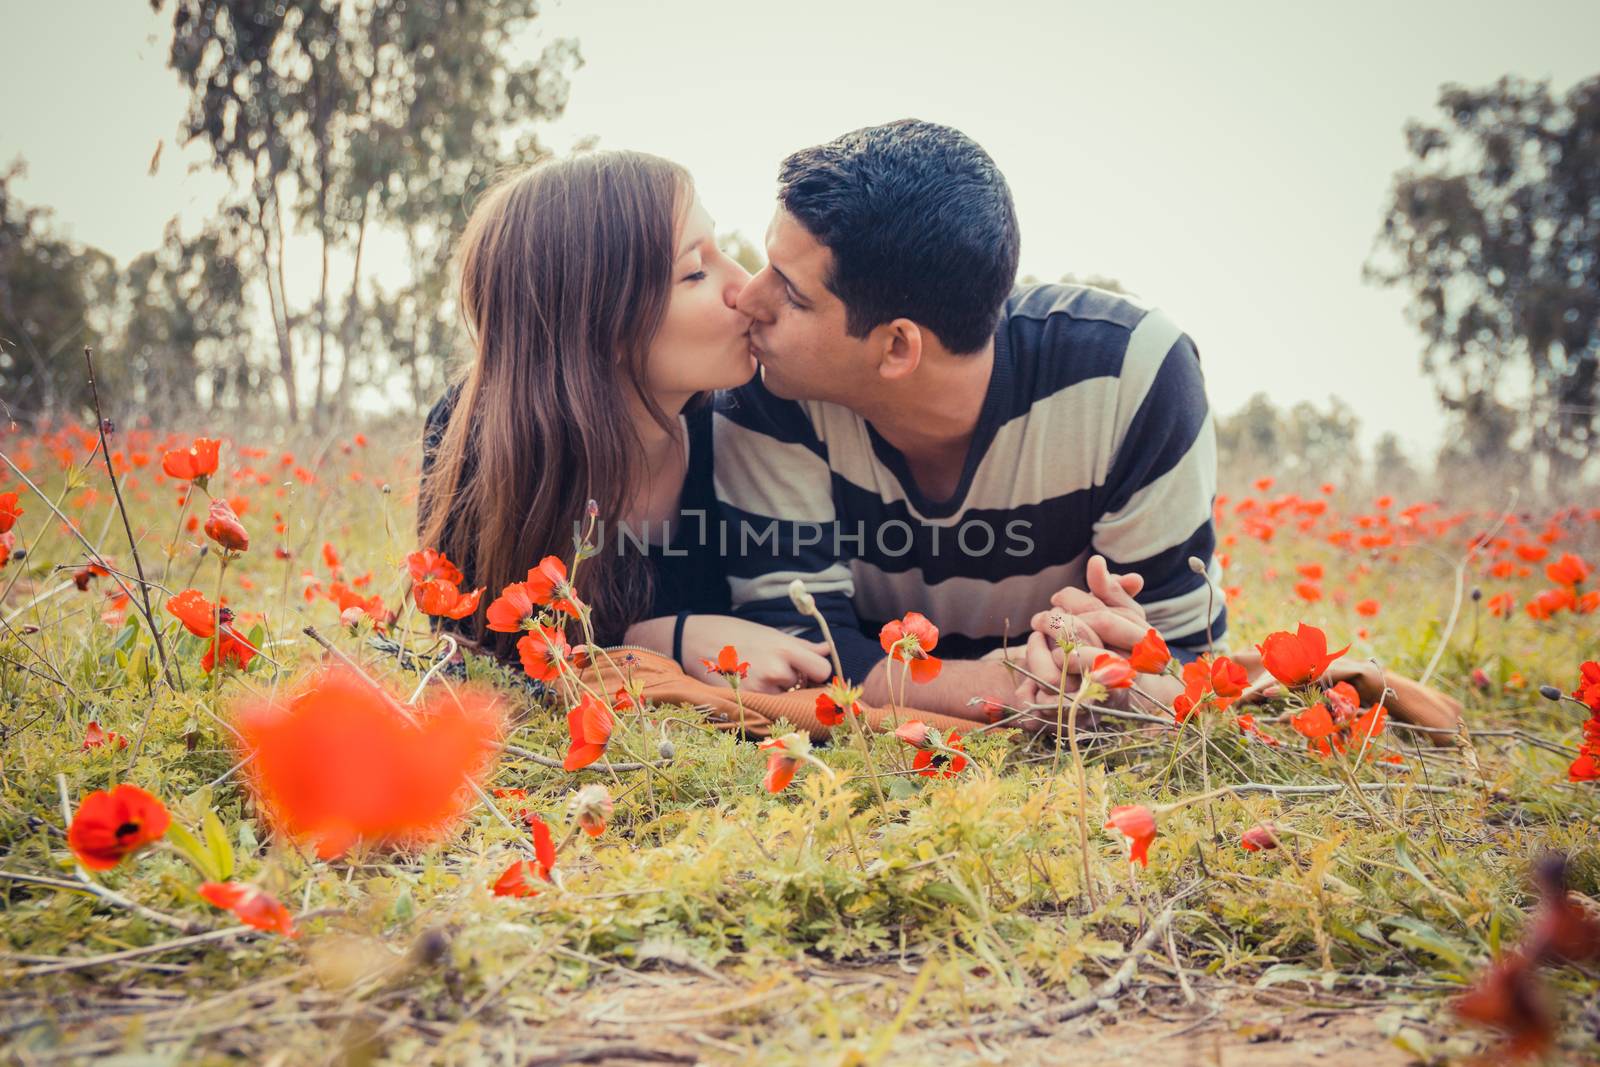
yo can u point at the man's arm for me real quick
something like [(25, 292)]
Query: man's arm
[(1155, 503), (776, 490)]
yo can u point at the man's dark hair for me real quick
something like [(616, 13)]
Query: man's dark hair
[(920, 223)]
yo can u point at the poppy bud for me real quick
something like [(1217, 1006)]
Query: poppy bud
[(592, 509), (385, 489), (666, 749), (591, 808), (1197, 566), (803, 601), (1549, 692), (1477, 594)]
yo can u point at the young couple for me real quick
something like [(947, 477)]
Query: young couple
[(879, 411)]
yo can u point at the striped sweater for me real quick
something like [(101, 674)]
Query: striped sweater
[(1094, 437)]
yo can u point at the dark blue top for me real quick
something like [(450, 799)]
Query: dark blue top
[(687, 573)]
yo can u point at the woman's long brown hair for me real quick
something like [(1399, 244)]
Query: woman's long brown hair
[(566, 272)]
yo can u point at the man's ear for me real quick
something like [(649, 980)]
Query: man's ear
[(902, 349)]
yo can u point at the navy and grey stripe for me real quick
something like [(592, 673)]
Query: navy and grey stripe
[(1095, 436)]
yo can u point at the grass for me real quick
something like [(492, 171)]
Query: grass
[(715, 920)]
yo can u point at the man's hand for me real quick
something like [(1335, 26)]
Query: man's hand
[(1105, 614)]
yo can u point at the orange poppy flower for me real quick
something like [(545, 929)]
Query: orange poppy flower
[(1111, 671), (910, 639), (114, 825), (427, 564), (512, 610), (194, 464), (517, 881), (95, 737), (1150, 655), (1298, 658), (783, 759), (1138, 824), (336, 760), (727, 664), (547, 584), (589, 724), (195, 612), (544, 653), (253, 906), (440, 597), (9, 512)]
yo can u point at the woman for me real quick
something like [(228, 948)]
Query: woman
[(603, 314)]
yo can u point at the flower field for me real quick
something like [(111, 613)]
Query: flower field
[(251, 809)]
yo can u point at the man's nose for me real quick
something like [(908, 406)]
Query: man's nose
[(738, 282), (749, 299)]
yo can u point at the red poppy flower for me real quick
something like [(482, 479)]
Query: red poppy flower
[(230, 648), (1310, 592), (727, 664), (1258, 838), (1588, 690), (83, 575), (195, 612), (547, 584), (337, 761), (1366, 608), (1569, 570), (1228, 681), (544, 653), (1509, 997), (1501, 605), (95, 737), (910, 640), (427, 564), (1150, 655), (783, 759), (1298, 658), (512, 610), (1563, 930), (944, 762), (1138, 824), (1532, 553), (1316, 725), (224, 527), (439, 597), (1369, 724), (9, 512), (589, 724), (252, 906), (111, 826), (517, 881), (1111, 671), (194, 464)]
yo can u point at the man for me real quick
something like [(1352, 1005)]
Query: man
[(923, 438)]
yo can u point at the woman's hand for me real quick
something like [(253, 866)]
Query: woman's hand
[(778, 661)]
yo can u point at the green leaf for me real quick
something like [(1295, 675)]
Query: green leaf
[(1414, 933), (217, 842), (194, 851)]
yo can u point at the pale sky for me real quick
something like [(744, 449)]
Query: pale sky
[(1228, 162)]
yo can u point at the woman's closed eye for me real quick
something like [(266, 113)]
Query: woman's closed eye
[(697, 276)]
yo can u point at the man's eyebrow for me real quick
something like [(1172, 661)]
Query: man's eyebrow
[(789, 282)]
